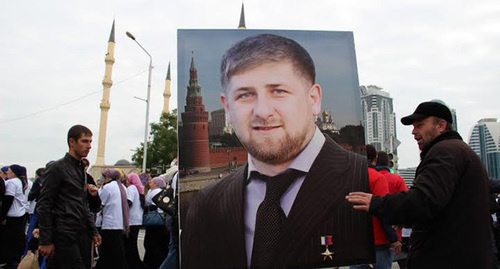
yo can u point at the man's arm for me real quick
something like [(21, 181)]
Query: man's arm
[(8, 200), (48, 195), (494, 185), (432, 191), (93, 198)]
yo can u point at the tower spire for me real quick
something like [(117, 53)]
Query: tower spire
[(168, 71), (242, 18), (112, 34), (196, 153), (105, 105), (166, 93), (193, 67)]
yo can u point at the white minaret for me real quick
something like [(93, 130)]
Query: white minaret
[(167, 93), (105, 105)]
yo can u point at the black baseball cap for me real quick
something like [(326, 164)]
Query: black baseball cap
[(427, 109)]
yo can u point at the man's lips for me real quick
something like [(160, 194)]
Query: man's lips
[(264, 128)]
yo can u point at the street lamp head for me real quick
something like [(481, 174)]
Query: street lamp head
[(130, 35)]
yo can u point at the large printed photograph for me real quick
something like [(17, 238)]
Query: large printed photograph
[(256, 106)]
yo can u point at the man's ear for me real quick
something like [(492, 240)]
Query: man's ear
[(315, 98), (442, 126), (224, 101), (72, 142)]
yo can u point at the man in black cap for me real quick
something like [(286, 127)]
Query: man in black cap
[(448, 204)]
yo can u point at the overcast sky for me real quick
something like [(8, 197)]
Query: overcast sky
[(52, 53)]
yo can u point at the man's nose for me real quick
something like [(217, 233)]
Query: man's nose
[(414, 131), (263, 107)]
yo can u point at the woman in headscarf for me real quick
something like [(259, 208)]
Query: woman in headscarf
[(157, 237), (135, 193), (114, 221), (13, 216)]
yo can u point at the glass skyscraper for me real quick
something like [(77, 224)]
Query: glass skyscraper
[(379, 119), (484, 140)]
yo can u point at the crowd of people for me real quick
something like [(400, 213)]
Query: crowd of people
[(88, 223), (300, 202)]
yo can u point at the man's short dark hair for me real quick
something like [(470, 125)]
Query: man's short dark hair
[(40, 171), (77, 131), (382, 158), (265, 48), (371, 153)]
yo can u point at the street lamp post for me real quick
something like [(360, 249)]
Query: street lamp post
[(147, 103)]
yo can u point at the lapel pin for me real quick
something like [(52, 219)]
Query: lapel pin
[(327, 242)]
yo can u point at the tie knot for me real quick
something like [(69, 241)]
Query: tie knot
[(277, 185)]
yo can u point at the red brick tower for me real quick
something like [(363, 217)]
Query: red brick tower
[(195, 127)]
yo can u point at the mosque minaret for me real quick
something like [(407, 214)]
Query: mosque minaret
[(105, 105), (167, 92)]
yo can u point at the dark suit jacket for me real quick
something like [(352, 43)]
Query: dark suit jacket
[(214, 237)]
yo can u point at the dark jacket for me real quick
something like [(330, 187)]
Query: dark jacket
[(214, 233), (62, 204), (447, 207), (94, 201), (2, 191), (35, 190)]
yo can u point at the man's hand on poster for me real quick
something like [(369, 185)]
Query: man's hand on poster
[(93, 190), (397, 247), (97, 239), (46, 250), (361, 200)]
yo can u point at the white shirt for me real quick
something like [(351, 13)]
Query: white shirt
[(14, 187), (150, 195), (136, 211), (112, 215), (98, 218)]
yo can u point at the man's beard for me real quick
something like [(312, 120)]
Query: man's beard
[(274, 151)]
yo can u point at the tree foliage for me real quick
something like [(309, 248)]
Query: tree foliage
[(162, 147)]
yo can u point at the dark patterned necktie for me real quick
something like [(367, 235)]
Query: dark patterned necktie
[(270, 218)]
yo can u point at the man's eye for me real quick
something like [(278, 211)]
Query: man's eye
[(279, 91), (244, 95)]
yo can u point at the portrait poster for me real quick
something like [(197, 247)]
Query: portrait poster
[(209, 149)]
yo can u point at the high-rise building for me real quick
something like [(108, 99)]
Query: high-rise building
[(217, 122), (454, 117), (408, 174), (484, 139), (379, 119)]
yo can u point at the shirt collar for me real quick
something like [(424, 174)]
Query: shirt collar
[(304, 160), (74, 161)]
